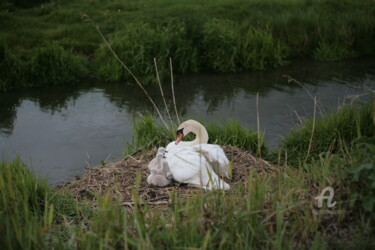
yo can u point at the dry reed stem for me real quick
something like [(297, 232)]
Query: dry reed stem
[(312, 131), (258, 126), (86, 18), (172, 85), (161, 91), (290, 79)]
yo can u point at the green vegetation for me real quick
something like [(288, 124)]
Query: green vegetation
[(53, 64), (225, 35), (333, 133), (139, 43), (276, 210), (49, 65), (363, 173), (29, 208), (148, 134)]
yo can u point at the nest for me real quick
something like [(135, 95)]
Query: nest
[(119, 178)]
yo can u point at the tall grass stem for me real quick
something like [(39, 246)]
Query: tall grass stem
[(258, 126), (312, 131), (86, 18), (161, 91), (172, 85)]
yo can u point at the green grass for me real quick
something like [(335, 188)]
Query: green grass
[(11, 68), (29, 207), (53, 64), (138, 44), (149, 134), (48, 66), (333, 133), (225, 35)]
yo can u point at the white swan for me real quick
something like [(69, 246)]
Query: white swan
[(196, 162)]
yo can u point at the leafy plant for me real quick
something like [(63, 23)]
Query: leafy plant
[(10, 68), (332, 132), (220, 45), (259, 50), (53, 64), (139, 43), (362, 174), (332, 52)]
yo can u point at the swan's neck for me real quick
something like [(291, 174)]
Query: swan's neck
[(201, 135)]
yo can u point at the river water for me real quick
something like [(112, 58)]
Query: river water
[(59, 130)]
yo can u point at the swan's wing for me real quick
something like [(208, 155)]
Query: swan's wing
[(188, 166), (216, 157), (184, 163), (152, 164)]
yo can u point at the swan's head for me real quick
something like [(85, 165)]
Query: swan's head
[(190, 126)]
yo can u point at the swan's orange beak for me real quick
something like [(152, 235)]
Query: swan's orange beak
[(179, 137)]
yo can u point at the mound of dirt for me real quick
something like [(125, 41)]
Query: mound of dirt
[(119, 178)]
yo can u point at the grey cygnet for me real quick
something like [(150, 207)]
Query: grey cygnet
[(160, 173)]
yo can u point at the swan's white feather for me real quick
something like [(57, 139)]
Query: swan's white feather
[(215, 155), (189, 166)]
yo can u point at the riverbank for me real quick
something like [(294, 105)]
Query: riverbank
[(225, 36), (273, 206)]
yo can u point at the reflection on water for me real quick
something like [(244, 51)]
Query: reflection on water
[(61, 129)]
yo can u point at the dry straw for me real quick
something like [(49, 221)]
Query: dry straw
[(258, 126)]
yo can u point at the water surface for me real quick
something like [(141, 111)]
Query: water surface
[(59, 130)]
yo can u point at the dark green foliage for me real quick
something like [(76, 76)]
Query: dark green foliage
[(332, 132), (362, 174), (332, 52), (259, 50), (49, 65), (229, 46), (53, 64), (10, 68), (138, 44), (27, 3), (220, 46)]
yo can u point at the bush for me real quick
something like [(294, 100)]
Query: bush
[(27, 3), (53, 64), (259, 50), (362, 174), (138, 44), (10, 68), (228, 47), (332, 132), (220, 45), (332, 52)]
